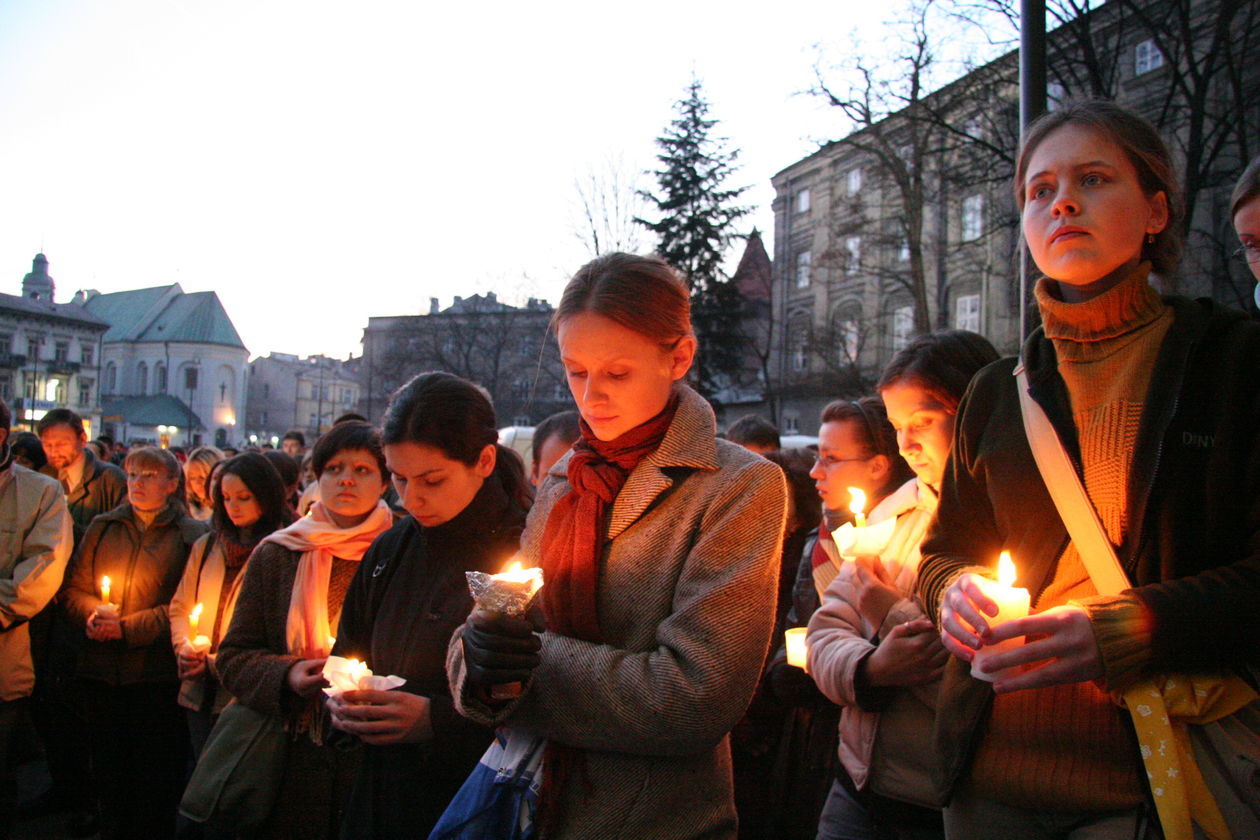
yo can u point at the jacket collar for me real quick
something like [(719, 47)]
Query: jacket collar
[(690, 442)]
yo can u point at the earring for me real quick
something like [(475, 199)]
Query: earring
[(1150, 239)]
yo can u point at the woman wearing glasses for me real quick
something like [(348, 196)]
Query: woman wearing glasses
[(127, 667)]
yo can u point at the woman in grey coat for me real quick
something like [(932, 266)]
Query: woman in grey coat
[(659, 546)]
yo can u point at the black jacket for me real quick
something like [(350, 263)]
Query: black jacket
[(1193, 538), (103, 488), (406, 600)]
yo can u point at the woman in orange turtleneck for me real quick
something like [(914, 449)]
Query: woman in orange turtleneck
[(1155, 400)]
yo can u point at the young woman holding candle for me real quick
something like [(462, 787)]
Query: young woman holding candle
[(139, 741), (659, 546), (1155, 399), (285, 622), (466, 498), (248, 504), (871, 648)]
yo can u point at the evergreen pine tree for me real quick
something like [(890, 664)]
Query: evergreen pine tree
[(696, 224)]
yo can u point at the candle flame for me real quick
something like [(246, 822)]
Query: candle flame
[(1006, 569), (105, 589), (195, 615), (357, 669), (857, 504), (513, 567)]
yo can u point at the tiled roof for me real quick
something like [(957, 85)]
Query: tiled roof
[(67, 311), (153, 410), (141, 315)]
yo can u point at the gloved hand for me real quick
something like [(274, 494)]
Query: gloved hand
[(500, 649)]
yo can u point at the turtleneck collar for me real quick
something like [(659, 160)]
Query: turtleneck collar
[(1128, 306)]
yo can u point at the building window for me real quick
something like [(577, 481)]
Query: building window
[(853, 245), (802, 269), (903, 327), (32, 349), (967, 313), (85, 392), (906, 153), (6, 344), (264, 418), (61, 351), (266, 390), (142, 379), (521, 420), (111, 378), (903, 250), (1146, 57), (972, 217), (6, 386), (1055, 94), (972, 129), (86, 353), (853, 181), (190, 379), (848, 339), (800, 350), (159, 378), (802, 201), (791, 423)]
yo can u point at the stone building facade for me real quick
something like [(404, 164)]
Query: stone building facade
[(290, 393)]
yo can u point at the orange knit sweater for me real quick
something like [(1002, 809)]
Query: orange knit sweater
[(1065, 748)]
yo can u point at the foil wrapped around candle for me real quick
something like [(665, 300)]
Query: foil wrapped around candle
[(354, 675), (507, 592)]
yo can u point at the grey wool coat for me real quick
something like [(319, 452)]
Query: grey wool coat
[(686, 603)]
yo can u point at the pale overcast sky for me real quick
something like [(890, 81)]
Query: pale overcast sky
[(316, 163)]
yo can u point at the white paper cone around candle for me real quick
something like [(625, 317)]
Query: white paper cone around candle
[(797, 650), (196, 645), (868, 540), (354, 675), (1013, 602)]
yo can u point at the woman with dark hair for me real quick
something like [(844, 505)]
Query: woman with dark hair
[(247, 505), (139, 740), (659, 546), (285, 623), (1154, 401), (466, 498), (28, 451), (871, 649)]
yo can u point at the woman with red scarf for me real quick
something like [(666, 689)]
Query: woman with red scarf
[(659, 546)]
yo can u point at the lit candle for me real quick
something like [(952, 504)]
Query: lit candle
[(509, 592), (1012, 603), (857, 504), (194, 621), (105, 589), (797, 650)]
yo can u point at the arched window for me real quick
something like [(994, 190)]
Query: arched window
[(142, 379), (159, 378), (111, 377), (846, 333)]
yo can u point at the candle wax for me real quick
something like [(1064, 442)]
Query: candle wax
[(1013, 603), (797, 650)]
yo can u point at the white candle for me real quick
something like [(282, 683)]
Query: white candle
[(1012, 603), (797, 650), (857, 505), (105, 589)]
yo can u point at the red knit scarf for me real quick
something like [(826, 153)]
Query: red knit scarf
[(572, 544)]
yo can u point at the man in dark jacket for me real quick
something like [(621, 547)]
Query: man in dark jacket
[(92, 487)]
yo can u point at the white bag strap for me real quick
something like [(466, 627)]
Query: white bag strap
[(1075, 509)]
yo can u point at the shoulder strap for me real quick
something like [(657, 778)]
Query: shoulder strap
[(1070, 498)]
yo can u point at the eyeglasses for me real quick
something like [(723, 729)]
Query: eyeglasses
[(831, 462), (146, 476), (1249, 253)]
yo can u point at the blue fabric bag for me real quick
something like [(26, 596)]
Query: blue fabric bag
[(499, 798)]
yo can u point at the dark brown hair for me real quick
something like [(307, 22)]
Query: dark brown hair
[(1144, 148), (940, 363), (878, 436), (259, 475), (643, 294), (348, 436), (1247, 189), (456, 417)]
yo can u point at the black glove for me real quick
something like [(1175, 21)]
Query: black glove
[(499, 649)]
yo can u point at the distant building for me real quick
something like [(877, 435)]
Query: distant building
[(174, 367), (505, 349), (287, 393), (50, 353)]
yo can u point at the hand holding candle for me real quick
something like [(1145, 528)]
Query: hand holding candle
[(354, 675), (108, 610), (1012, 603), (508, 593), (194, 643), (856, 538)]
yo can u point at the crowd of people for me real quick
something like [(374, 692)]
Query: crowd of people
[(169, 619)]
